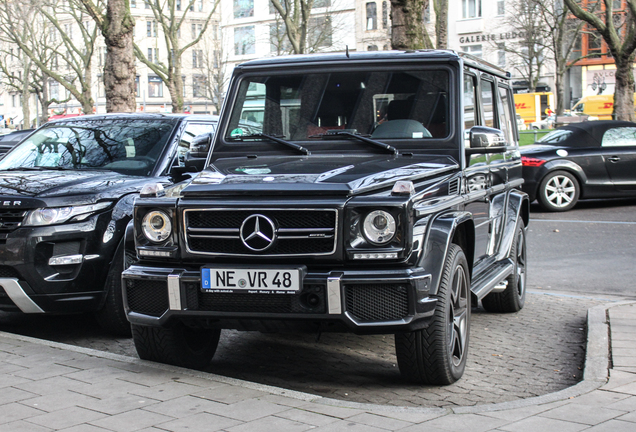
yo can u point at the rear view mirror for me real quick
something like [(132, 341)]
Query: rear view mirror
[(485, 139), (198, 153)]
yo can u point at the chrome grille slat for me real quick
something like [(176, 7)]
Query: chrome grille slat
[(300, 232)]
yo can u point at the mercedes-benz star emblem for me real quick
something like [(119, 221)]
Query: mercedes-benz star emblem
[(258, 232)]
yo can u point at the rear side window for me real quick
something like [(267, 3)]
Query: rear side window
[(505, 115), (619, 137), (487, 98)]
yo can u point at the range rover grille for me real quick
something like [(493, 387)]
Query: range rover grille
[(377, 302), (10, 219), (296, 231)]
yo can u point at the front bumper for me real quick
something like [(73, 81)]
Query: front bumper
[(363, 301), (32, 278)]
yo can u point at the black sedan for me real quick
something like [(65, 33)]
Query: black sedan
[(594, 159), (10, 140)]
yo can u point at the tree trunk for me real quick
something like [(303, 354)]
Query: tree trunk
[(407, 26), (560, 92), (175, 88), (441, 24), (119, 67), (624, 89)]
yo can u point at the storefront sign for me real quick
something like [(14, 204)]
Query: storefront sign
[(491, 37)]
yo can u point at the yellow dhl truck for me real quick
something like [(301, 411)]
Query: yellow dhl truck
[(533, 107), (601, 106)]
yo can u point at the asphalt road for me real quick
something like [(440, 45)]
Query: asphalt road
[(589, 250)]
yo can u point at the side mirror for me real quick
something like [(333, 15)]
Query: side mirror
[(485, 139), (198, 153)]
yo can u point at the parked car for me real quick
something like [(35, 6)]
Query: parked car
[(66, 196), (581, 160), (10, 140), (356, 206)]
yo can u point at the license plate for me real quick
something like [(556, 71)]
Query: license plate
[(250, 280)]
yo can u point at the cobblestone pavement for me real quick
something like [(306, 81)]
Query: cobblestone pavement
[(537, 351)]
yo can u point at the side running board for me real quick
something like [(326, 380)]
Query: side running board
[(482, 286)]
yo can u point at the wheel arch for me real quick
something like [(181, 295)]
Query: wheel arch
[(563, 165), (447, 228)]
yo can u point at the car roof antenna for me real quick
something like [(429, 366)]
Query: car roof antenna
[(347, 50)]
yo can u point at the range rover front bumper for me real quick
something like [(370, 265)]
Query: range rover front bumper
[(363, 301)]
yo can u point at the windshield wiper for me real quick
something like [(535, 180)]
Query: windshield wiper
[(364, 139), (36, 168), (275, 139)]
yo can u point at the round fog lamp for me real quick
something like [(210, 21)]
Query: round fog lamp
[(156, 226), (379, 227)]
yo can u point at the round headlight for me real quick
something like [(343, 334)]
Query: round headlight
[(379, 227), (156, 226)]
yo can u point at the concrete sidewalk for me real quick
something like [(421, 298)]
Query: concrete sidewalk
[(50, 386)]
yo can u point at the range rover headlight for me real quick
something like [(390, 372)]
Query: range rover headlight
[(58, 215), (156, 226), (379, 227)]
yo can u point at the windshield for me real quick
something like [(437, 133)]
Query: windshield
[(130, 146), (382, 105)]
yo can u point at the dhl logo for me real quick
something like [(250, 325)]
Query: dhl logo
[(608, 105), (521, 105)]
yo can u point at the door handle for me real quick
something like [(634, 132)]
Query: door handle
[(613, 159)]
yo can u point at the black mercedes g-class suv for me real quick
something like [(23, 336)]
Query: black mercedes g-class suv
[(378, 194), (66, 197)]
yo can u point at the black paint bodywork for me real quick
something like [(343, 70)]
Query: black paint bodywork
[(602, 172), (452, 203), (25, 251)]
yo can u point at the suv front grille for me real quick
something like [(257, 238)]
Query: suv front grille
[(297, 231), (377, 302), (10, 220)]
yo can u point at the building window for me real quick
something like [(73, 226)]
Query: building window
[(372, 16), (472, 49), (244, 40), (471, 8), (102, 56), (372, 48), (196, 30), (321, 3), (197, 58), (426, 13), (501, 54), (200, 5), (68, 29), (320, 32), (153, 55), (137, 86), (155, 86), (278, 40), (133, 3), (146, 4), (385, 14), (501, 7), (243, 8), (54, 90), (198, 86), (178, 5), (151, 28)]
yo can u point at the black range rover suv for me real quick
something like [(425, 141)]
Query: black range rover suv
[(66, 196), (378, 194)]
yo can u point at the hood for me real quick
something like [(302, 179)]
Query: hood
[(68, 184), (317, 175)]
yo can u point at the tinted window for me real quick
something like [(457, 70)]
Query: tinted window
[(623, 136), (130, 146), (487, 98), (505, 115), (469, 101), (385, 105), (555, 136), (191, 131)]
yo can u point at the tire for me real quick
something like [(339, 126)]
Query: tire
[(513, 297), (559, 191), (112, 317), (437, 354), (178, 345)]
